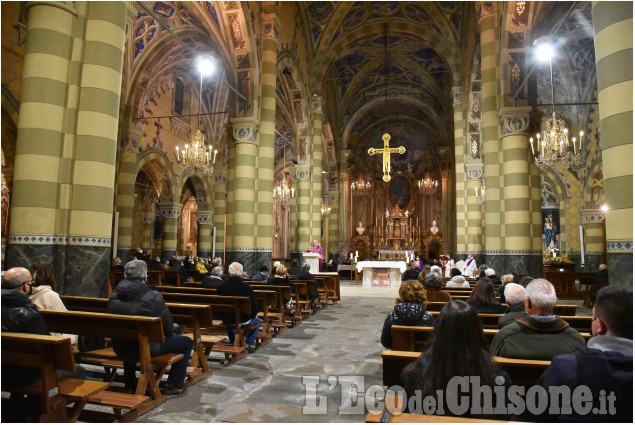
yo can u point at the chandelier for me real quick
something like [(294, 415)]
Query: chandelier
[(361, 187), (284, 193), (553, 146), (325, 211), (196, 156), (428, 186)]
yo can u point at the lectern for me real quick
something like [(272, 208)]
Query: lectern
[(313, 258)]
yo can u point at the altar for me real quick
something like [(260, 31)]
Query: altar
[(381, 273)]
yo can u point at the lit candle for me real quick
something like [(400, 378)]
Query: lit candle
[(580, 145), (476, 191), (574, 150), (582, 245), (215, 151), (531, 143)]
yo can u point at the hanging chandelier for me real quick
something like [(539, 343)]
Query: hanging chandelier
[(428, 186), (197, 155), (361, 187), (553, 146)]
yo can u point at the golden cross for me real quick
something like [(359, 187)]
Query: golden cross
[(386, 151)]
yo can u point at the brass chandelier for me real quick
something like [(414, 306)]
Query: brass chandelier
[(428, 186), (284, 193)]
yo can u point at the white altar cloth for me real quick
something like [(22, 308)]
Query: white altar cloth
[(381, 273)]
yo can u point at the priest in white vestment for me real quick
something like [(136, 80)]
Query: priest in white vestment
[(470, 266)]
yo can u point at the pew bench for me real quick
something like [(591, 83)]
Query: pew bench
[(49, 354), (490, 321), (140, 329), (560, 309)]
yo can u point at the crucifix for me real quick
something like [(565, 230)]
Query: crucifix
[(386, 151)]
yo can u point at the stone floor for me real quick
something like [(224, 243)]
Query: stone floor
[(267, 386), (323, 355)]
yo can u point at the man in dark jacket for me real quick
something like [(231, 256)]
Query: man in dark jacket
[(134, 297), (412, 273), (515, 295), (214, 280), (295, 268), (236, 287), (605, 365), (539, 335)]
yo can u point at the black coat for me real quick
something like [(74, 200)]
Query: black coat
[(237, 288), (19, 314), (212, 282), (406, 314), (294, 270), (411, 274), (134, 297)]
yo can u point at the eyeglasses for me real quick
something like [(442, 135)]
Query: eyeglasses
[(29, 282)]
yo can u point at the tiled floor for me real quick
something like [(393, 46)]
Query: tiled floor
[(267, 386)]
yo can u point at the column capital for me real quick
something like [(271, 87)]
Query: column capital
[(515, 120), (244, 130), (301, 173), (204, 217), (169, 210), (316, 104), (474, 171), (270, 26), (591, 216), (64, 5), (220, 176), (486, 8), (457, 95)]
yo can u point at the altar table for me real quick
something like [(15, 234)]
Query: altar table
[(381, 273)]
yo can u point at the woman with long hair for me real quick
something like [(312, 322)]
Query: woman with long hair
[(456, 348), (44, 296), (409, 311), (483, 297)]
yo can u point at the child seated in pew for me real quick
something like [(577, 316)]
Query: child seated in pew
[(409, 311), (456, 349)]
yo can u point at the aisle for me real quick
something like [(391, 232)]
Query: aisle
[(267, 386)]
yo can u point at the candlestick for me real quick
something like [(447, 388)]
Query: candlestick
[(582, 244)]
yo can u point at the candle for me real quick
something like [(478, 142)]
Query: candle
[(356, 254), (582, 244), (531, 143), (351, 255), (476, 191)]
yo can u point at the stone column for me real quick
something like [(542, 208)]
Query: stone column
[(220, 193), (241, 247), (518, 253), (613, 29), (205, 227), (445, 216), (491, 152), (67, 142), (334, 224), (474, 216), (266, 145), (124, 200), (460, 244), (316, 162), (170, 214), (303, 202), (594, 238), (146, 219), (293, 218)]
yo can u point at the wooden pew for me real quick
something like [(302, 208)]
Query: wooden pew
[(490, 321), (49, 354), (277, 314), (415, 338), (134, 328), (265, 300), (304, 301), (521, 371), (221, 305), (189, 316), (331, 285), (171, 277)]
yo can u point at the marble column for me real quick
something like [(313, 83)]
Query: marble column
[(124, 201), (518, 254), (241, 247), (293, 219), (146, 218), (266, 143), (334, 225), (460, 240), (205, 227), (474, 215), (490, 124), (316, 162), (594, 239), (613, 29), (303, 202), (345, 196), (170, 214), (445, 215), (220, 193)]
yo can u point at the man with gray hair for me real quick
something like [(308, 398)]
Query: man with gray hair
[(214, 280), (235, 286), (539, 335), (412, 272), (515, 296), (135, 297)]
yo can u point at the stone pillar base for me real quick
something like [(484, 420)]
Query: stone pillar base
[(620, 268), (531, 264), (263, 258)]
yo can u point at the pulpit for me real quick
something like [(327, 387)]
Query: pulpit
[(313, 259)]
